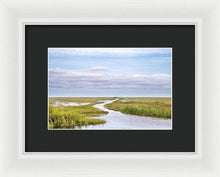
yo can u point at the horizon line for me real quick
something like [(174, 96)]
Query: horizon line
[(112, 96)]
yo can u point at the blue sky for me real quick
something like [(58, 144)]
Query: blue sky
[(78, 72)]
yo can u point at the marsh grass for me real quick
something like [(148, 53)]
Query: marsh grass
[(63, 117), (86, 110), (152, 107), (72, 116), (91, 100)]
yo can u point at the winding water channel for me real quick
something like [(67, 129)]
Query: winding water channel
[(118, 120)]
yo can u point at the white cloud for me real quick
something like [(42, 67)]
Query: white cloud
[(93, 80), (108, 51), (100, 68)]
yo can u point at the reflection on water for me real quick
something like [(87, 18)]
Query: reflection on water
[(118, 120), (59, 103)]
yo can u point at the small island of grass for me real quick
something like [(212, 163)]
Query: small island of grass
[(61, 117)]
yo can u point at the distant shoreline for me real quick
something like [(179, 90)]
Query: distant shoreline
[(109, 96)]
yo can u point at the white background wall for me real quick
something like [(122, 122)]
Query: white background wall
[(8, 84), (109, 11)]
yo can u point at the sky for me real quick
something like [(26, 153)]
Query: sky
[(109, 72)]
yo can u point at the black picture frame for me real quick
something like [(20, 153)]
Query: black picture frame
[(182, 40)]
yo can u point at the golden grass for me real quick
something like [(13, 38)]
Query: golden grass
[(52, 100), (68, 117), (144, 106)]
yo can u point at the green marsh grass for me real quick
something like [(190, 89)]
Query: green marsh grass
[(86, 110), (71, 116), (63, 117), (143, 106), (91, 100)]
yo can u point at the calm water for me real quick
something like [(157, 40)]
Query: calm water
[(118, 120)]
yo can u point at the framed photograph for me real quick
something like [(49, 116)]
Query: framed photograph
[(68, 68), (117, 83), (110, 88)]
